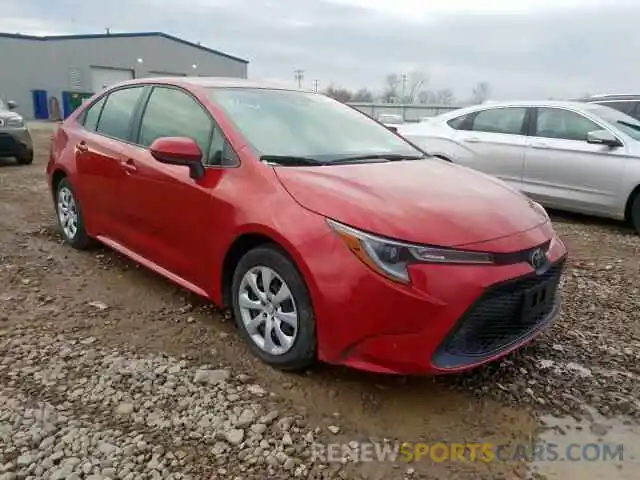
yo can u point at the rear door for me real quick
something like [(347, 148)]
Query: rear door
[(563, 171), (98, 150), (494, 141)]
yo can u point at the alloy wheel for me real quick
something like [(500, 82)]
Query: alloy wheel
[(67, 212), (268, 310)]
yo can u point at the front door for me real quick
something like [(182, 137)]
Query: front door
[(168, 213), (563, 171)]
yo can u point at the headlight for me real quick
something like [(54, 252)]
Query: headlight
[(15, 122), (392, 258)]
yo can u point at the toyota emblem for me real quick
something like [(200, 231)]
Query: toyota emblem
[(537, 258)]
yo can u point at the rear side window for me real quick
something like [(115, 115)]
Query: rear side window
[(174, 113), (500, 120), (92, 115), (118, 111), (460, 123)]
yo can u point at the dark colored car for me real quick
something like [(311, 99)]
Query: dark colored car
[(15, 139), (626, 103)]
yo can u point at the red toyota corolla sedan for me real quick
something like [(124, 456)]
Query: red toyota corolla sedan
[(329, 236)]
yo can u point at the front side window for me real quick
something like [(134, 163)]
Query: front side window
[(563, 124), (461, 122), (500, 120), (293, 123), (221, 154), (624, 107), (173, 113), (118, 111), (92, 115)]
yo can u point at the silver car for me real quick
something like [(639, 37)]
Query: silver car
[(15, 140), (571, 156)]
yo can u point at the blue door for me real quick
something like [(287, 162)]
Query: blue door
[(40, 105)]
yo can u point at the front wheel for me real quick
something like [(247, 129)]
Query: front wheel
[(272, 309), (70, 218)]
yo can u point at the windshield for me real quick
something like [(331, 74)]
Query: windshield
[(621, 121), (301, 124)]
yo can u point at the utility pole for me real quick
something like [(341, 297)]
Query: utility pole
[(299, 76), (315, 85), (404, 87)]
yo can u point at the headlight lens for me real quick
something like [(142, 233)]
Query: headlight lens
[(15, 122), (391, 258)]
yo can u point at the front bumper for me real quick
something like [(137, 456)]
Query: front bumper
[(15, 141), (451, 318)]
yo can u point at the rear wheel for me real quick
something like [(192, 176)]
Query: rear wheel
[(69, 216), (635, 213), (272, 309), (25, 158)]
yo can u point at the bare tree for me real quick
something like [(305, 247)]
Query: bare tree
[(363, 95), (392, 85), (416, 82), (339, 93), (444, 97), (481, 92)]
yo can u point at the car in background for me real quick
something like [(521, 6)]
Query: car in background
[(391, 120), (15, 139), (581, 157), (626, 103), (327, 235)]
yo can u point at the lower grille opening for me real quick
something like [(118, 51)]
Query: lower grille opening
[(505, 314)]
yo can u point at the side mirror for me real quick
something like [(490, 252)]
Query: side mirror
[(603, 137), (12, 105), (179, 151)]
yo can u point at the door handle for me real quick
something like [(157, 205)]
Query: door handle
[(82, 147), (539, 145), (472, 139), (129, 165)]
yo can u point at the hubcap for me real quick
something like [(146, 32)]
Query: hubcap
[(268, 310), (67, 213)]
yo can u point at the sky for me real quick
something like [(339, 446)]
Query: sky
[(525, 49)]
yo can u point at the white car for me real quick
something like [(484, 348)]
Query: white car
[(571, 156), (391, 120)]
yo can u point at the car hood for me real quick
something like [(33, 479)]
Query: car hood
[(424, 201)]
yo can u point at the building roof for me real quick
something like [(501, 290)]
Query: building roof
[(120, 35)]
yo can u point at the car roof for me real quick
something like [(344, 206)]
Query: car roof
[(575, 105), (217, 82)]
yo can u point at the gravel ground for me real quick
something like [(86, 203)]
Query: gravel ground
[(108, 371)]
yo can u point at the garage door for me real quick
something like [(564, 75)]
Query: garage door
[(102, 77)]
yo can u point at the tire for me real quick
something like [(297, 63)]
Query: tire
[(300, 352), (635, 213), (65, 199), (25, 158)]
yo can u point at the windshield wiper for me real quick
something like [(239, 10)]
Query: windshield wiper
[(389, 157), (291, 160)]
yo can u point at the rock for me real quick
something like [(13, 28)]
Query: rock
[(124, 409), (246, 418), (234, 436), (257, 390), (98, 305), (333, 429), (211, 377), (25, 460)]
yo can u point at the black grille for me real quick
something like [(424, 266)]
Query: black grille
[(505, 314)]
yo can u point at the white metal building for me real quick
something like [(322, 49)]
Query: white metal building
[(50, 76)]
